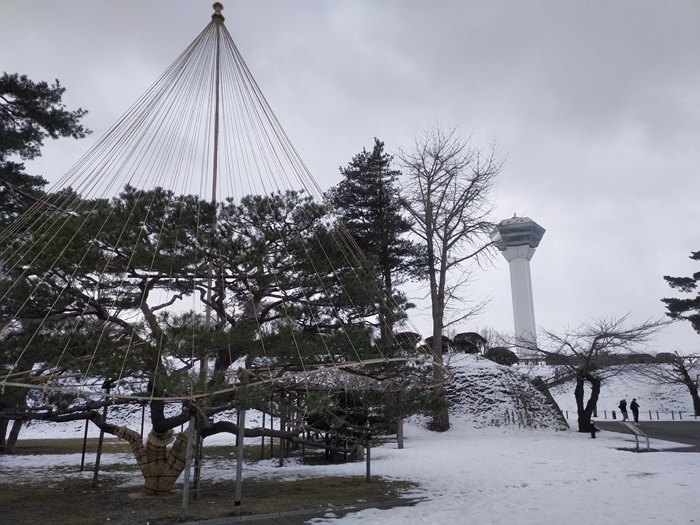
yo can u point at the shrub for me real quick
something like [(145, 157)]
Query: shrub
[(446, 343), (502, 356), (469, 343)]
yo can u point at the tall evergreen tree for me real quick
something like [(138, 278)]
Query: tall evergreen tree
[(687, 308), (368, 202), (29, 113)]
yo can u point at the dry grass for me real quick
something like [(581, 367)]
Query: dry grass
[(74, 500)]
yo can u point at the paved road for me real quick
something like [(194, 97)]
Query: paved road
[(686, 432)]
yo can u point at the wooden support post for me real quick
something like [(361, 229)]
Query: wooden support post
[(399, 433), (368, 453), (107, 385), (143, 416), (199, 450), (82, 459), (262, 443), (283, 425), (240, 439), (188, 467)]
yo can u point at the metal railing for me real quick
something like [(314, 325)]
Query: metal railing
[(675, 415)]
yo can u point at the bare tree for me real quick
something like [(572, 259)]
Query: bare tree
[(448, 196), (677, 370), (588, 355)]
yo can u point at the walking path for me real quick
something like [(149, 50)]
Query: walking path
[(686, 432)]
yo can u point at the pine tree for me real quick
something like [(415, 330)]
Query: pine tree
[(29, 113), (685, 308), (367, 201)]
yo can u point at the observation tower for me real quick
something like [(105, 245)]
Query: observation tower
[(517, 238)]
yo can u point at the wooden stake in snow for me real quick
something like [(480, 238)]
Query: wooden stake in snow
[(239, 461)]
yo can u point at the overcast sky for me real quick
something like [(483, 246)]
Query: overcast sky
[(595, 106)]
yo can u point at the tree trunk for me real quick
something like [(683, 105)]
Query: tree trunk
[(693, 388), (441, 417), (3, 433), (386, 315), (160, 467), (585, 411), (12, 438)]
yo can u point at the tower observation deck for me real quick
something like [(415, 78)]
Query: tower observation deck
[(517, 238)]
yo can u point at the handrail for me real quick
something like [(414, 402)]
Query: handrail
[(637, 433)]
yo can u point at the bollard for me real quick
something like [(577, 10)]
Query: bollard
[(605, 414), (680, 416), (673, 416), (657, 415), (613, 414), (650, 415), (567, 414)]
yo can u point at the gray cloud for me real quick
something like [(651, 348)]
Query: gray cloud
[(595, 105)]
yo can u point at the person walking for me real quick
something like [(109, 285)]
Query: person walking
[(634, 406), (623, 409)]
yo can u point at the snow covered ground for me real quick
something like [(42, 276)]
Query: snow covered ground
[(484, 476), (488, 475), (536, 477)]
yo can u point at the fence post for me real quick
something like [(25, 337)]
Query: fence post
[(657, 415), (680, 415), (605, 414), (567, 414), (614, 416), (650, 415), (673, 416)]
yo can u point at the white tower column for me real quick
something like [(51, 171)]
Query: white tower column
[(517, 239), (518, 258)]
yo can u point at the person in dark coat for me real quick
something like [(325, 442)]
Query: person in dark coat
[(623, 409), (594, 429), (635, 410)]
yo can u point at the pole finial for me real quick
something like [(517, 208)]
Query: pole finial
[(218, 7)]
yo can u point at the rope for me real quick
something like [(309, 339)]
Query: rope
[(164, 140)]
